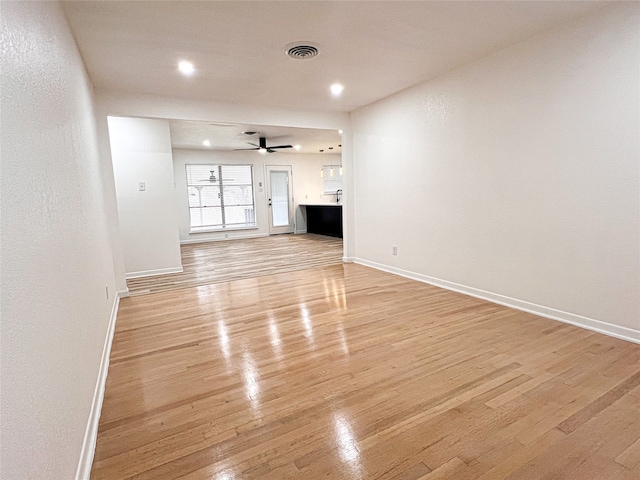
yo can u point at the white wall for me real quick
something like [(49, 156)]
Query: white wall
[(56, 258), (517, 175), (172, 108), (307, 186), (112, 219), (155, 106), (141, 152)]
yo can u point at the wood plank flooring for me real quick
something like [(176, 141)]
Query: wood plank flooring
[(214, 262), (346, 372)]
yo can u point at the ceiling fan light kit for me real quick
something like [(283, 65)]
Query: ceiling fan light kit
[(263, 148)]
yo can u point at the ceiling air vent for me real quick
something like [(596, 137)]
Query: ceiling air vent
[(302, 50)]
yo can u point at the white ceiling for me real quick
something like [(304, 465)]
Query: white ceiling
[(373, 48), (229, 136)]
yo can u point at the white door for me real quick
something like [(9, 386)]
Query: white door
[(279, 199)]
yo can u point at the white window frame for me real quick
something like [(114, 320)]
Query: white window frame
[(219, 170)]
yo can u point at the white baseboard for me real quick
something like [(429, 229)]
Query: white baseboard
[(298, 232), (153, 273), (235, 237), (349, 260), (91, 432), (600, 326)]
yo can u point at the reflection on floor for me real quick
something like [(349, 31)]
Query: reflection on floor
[(345, 372), (214, 262)]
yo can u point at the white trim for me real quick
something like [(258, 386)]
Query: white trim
[(599, 326), (91, 433), (298, 232), (235, 237), (349, 260), (153, 273), (198, 230)]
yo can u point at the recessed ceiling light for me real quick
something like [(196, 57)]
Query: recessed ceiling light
[(186, 68), (336, 89), (297, 147), (206, 143), (340, 132)]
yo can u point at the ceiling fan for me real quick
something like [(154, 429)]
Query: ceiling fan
[(263, 146)]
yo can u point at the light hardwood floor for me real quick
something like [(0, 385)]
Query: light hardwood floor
[(346, 372), (214, 262)]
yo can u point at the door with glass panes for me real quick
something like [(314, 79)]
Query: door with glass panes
[(280, 199)]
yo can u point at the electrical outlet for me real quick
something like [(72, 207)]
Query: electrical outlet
[(395, 249)]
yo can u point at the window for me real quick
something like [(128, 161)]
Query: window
[(220, 197), (332, 178)]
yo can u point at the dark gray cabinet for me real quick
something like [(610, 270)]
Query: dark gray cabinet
[(324, 220)]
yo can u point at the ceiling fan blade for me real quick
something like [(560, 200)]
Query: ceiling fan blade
[(257, 147), (282, 146), (270, 151)]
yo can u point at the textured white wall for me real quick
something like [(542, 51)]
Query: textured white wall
[(113, 221), (141, 152), (56, 259), (306, 183), (517, 174)]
